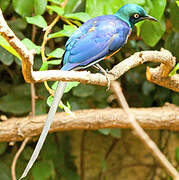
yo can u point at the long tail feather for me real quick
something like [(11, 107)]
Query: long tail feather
[(56, 100)]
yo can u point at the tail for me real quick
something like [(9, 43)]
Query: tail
[(51, 114)]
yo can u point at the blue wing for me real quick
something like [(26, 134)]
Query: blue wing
[(94, 40)]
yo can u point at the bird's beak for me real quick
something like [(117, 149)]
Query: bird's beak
[(150, 18)]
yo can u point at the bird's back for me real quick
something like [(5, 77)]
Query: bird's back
[(94, 40)]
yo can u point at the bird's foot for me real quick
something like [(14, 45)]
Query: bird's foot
[(109, 72), (108, 81), (105, 73)]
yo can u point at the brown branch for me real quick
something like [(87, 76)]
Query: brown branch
[(13, 166), (142, 135), (154, 75), (17, 129), (45, 38), (26, 55), (164, 57)]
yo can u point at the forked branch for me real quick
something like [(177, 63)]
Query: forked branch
[(159, 75)]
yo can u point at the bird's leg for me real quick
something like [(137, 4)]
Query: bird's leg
[(98, 67), (109, 72)]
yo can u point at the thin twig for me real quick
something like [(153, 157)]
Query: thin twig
[(141, 133), (109, 151), (13, 166), (45, 38), (63, 4), (33, 97), (32, 86)]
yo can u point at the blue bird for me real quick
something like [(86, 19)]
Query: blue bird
[(96, 40)]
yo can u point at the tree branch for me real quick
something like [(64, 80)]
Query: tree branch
[(142, 135), (17, 129), (164, 57), (26, 55)]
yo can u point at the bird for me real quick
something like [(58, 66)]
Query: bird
[(97, 39)]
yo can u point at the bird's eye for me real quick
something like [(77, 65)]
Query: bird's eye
[(136, 16)]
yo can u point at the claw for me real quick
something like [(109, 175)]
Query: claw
[(109, 72), (97, 66)]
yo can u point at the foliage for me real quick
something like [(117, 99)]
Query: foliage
[(15, 99)]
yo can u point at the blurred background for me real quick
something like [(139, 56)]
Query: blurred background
[(109, 154)]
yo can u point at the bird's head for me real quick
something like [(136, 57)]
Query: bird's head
[(133, 13)]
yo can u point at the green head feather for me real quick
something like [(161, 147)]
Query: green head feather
[(132, 13)]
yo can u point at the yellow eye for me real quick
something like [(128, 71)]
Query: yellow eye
[(136, 16)]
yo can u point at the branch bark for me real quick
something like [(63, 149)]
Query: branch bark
[(26, 55), (142, 135), (164, 57), (17, 129)]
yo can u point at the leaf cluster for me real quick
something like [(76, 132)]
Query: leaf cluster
[(28, 19)]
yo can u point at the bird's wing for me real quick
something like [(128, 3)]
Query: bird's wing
[(92, 45)]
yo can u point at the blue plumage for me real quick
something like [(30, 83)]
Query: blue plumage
[(91, 43), (101, 36), (94, 40)]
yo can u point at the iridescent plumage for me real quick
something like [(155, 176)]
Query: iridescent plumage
[(92, 42)]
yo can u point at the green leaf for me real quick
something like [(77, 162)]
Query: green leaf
[(154, 8), (58, 2), (5, 57), (51, 143), (68, 31), (40, 6), (57, 53), (17, 101), (57, 9), (158, 8), (44, 66), (24, 7), (177, 3), (174, 15), (4, 4), (177, 154), (6, 46), (116, 133), (17, 24), (78, 16), (30, 45), (49, 100), (100, 7), (37, 20), (96, 8), (54, 62), (104, 131), (43, 170), (70, 85), (83, 90), (174, 71), (54, 85), (73, 5), (4, 171), (152, 32), (3, 147)]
